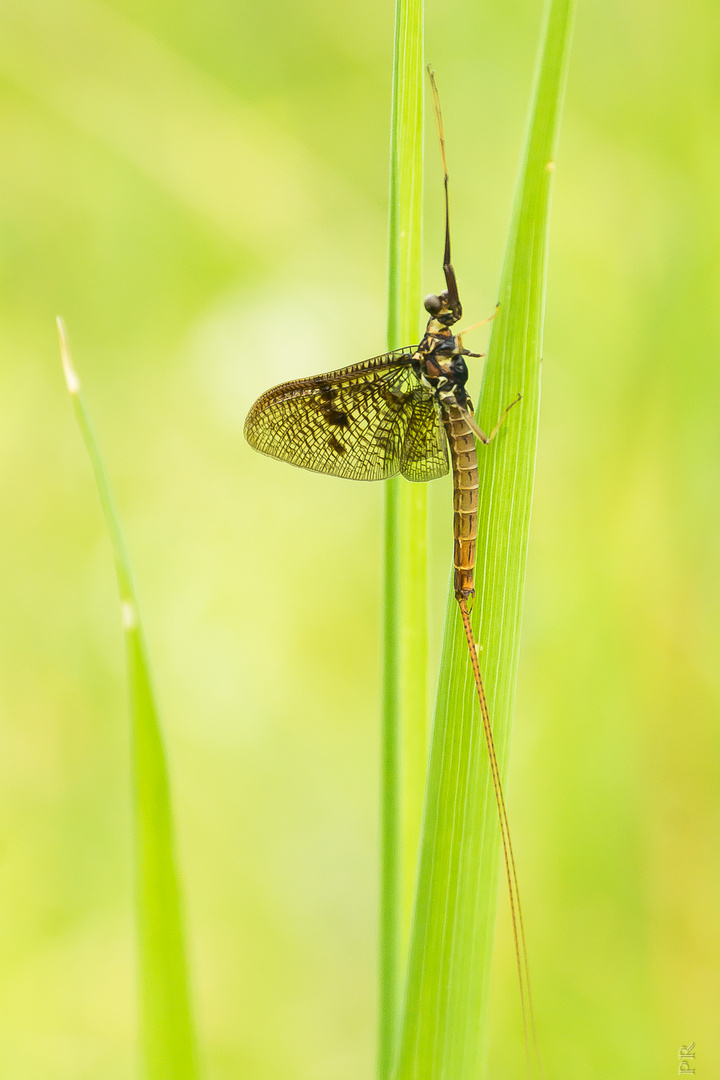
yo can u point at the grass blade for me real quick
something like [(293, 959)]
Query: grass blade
[(445, 1015), (404, 722), (167, 1036)]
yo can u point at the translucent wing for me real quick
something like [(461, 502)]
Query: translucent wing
[(425, 449), (365, 422)]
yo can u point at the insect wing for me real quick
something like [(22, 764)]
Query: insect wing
[(358, 422), (425, 450)]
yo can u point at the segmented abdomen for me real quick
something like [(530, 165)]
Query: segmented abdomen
[(465, 497)]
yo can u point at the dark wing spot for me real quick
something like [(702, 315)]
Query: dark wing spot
[(336, 445), (336, 417)]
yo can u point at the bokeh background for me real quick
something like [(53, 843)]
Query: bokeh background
[(200, 189)]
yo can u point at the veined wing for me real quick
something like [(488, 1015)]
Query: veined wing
[(365, 422)]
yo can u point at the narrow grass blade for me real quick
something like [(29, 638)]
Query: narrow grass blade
[(404, 750), (445, 1014), (167, 1036)]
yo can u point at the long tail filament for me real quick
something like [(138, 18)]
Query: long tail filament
[(521, 957)]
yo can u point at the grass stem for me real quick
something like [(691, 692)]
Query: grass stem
[(404, 721), (446, 1004), (167, 1034)]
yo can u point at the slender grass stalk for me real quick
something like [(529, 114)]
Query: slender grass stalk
[(445, 1014), (404, 750), (167, 1035)]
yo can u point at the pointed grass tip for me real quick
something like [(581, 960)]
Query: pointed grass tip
[(71, 378)]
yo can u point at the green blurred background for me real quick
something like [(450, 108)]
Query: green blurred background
[(200, 189)]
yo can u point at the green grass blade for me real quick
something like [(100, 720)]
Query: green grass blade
[(445, 1015), (167, 1036), (404, 750)]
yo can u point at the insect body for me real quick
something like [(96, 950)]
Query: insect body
[(396, 413), (399, 413)]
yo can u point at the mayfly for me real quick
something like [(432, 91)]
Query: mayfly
[(400, 413)]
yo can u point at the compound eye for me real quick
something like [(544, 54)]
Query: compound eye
[(433, 304)]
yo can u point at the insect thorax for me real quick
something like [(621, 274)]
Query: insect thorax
[(440, 365)]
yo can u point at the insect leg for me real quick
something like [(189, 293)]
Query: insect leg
[(483, 322), (479, 433)]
